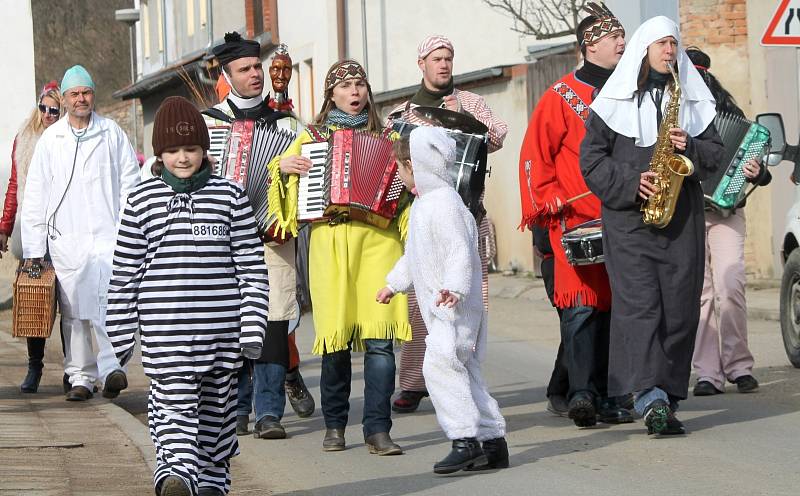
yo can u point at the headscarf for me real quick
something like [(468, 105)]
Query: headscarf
[(342, 71), (433, 42), (618, 105)]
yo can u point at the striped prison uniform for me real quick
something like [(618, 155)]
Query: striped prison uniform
[(189, 273), (413, 352)]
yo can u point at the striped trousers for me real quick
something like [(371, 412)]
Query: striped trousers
[(192, 422), (413, 352)]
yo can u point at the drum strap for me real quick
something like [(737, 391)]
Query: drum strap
[(573, 100)]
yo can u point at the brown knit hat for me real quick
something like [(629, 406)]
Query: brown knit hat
[(178, 123)]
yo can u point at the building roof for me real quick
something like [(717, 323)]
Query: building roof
[(474, 78)]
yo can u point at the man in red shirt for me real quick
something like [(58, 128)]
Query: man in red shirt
[(550, 181)]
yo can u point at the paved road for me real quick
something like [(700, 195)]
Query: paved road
[(738, 444)]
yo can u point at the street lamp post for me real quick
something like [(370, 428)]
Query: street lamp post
[(131, 17)]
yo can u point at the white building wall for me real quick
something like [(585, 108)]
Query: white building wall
[(16, 44)]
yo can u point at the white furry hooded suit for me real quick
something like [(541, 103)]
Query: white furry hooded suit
[(441, 253)]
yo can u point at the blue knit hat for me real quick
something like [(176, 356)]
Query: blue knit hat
[(74, 77)]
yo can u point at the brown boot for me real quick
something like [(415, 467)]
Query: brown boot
[(381, 444)]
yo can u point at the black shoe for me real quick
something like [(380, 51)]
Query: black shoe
[(65, 384), (172, 485), (301, 400), (466, 453), (115, 382), (625, 401), (581, 409), (746, 384), (496, 451), (31, 382), (242, 422), (656, 415), (557, 405), (381, 444), (334, 440), (674, 426), (614, 415), (408, 401), (705, 388), (269, 427), (79, 393)]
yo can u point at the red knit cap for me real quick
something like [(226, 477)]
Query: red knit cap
[(178, 123)]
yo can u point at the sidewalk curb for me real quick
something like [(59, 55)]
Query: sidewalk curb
[(135, 430)]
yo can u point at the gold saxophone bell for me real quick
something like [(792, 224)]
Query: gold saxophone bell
[(670, 167)]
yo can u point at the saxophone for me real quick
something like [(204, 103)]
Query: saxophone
[(670, 167)]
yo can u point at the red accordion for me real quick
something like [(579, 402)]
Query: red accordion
[(360, 180)]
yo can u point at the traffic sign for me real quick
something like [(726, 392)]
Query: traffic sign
[(784, 28)]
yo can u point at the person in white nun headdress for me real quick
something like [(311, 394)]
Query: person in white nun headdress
[(656, 274), (441, 262)]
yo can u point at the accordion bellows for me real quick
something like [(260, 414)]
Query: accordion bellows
[(34, 302)]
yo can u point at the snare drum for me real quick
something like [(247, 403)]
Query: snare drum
[(583, 244)]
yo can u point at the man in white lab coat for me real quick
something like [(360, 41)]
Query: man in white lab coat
[(81, 173)]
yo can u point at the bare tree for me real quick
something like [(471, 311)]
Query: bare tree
[(543, 19)]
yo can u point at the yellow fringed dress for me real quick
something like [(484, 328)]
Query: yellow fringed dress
[(348, 264)]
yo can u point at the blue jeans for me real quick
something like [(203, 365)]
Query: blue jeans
[(584, 336), (642, 399), (267, 382), (379, 371)]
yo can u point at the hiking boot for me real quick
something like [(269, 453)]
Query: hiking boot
[(299, 397)]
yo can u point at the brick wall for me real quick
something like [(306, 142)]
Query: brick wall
[(714, 22)]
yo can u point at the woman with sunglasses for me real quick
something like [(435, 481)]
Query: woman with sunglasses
[(47, 112)]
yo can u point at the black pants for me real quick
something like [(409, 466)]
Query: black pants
[(559, 380), (585, 339)]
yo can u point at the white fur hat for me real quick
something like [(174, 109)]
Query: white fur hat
[(431, 150)]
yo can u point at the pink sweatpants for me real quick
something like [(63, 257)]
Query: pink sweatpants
[(721, 350)]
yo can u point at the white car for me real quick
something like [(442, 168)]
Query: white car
[(790, 254)]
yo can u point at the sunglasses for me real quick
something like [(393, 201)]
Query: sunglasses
[(54, 111)]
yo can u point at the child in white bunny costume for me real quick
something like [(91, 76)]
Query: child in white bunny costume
[(441, 262)]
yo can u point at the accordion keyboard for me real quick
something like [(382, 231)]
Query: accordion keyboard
[(311, 201), (218, 137)]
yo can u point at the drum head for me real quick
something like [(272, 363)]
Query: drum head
[(441, 117)]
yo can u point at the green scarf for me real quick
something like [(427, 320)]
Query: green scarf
[(428, 98), (189, 185)]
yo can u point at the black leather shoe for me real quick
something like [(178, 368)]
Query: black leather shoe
[(242, 422), (408, 401), (496, 451), (116, 381), (334, 440), (581, 409), (746, 384), (655, 417), (269, 427), (609, 412), (299, 397), (381, 444), (466, 453), (705, 388), (172, 485), (558, 405), (31, 382), (79, 393)]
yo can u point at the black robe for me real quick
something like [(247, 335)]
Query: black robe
[(656, 274)]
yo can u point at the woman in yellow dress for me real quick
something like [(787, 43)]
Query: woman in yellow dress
[(348, 262)]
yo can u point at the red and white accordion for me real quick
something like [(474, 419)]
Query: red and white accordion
[(249, 147), (353, 177)]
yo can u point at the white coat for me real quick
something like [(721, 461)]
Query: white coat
[(90, 186), (441, 252)]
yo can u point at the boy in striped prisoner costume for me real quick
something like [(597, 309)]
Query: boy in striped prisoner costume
[(189, 273)]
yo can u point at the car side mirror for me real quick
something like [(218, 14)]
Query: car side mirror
[(774, 124)]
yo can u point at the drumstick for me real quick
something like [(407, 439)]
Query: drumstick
[(578, 197)]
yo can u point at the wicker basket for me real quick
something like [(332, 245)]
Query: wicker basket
[(34, 300)]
